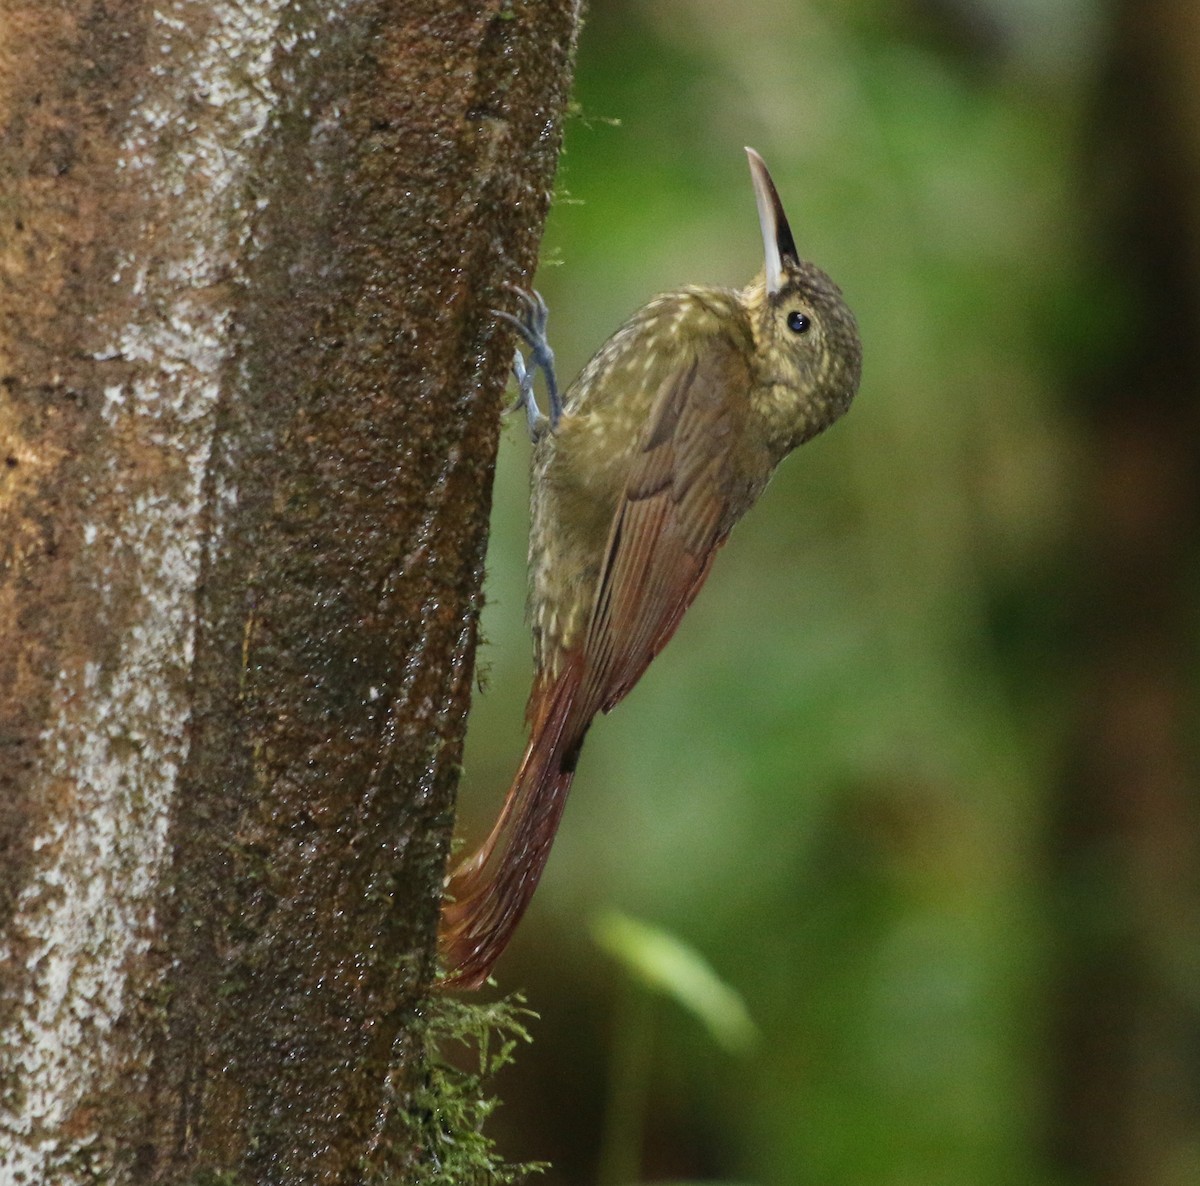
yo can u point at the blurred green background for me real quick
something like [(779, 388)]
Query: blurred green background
[(917, 774)]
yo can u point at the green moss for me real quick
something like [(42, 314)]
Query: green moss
[(466, 1043)]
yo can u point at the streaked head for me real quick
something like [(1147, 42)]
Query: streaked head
[(806, 337)]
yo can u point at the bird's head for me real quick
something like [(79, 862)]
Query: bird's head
[(806, 338)]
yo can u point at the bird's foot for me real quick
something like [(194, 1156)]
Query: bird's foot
[(530, 323), (526, 398)]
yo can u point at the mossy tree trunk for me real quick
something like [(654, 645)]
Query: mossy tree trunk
[(248, 417)]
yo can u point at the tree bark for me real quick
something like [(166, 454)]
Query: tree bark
[(248, 419)]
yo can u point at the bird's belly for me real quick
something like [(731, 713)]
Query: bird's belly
[(571, 518)]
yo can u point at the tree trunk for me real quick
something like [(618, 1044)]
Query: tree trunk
[(1127, 1106), (247, 428)]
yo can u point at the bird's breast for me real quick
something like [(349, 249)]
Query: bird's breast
[(581, 470)]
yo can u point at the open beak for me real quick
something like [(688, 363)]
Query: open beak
[(778, 244)]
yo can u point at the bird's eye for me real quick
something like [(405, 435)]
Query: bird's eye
[(798, 323)]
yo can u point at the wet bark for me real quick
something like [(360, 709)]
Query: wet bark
[(249, 389)]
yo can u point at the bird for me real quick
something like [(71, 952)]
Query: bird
[(640, 470)]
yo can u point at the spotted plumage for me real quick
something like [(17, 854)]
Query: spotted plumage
[(667, 437)]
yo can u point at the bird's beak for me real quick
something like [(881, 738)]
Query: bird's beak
[(778, 244)]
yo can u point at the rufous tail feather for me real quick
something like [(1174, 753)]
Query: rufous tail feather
[(487, 893)]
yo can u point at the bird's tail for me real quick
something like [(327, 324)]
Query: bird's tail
[(487, 893)]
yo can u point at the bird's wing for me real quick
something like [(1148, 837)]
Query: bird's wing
[(674, 514), (672, 518)]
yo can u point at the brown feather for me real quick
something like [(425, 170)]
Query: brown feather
[(668, 525), (488, 893), (674, 516)]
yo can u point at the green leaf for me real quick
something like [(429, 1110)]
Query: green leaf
[(669, 966)]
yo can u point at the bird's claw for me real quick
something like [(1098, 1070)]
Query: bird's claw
[(531, 325), (534, 416)]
